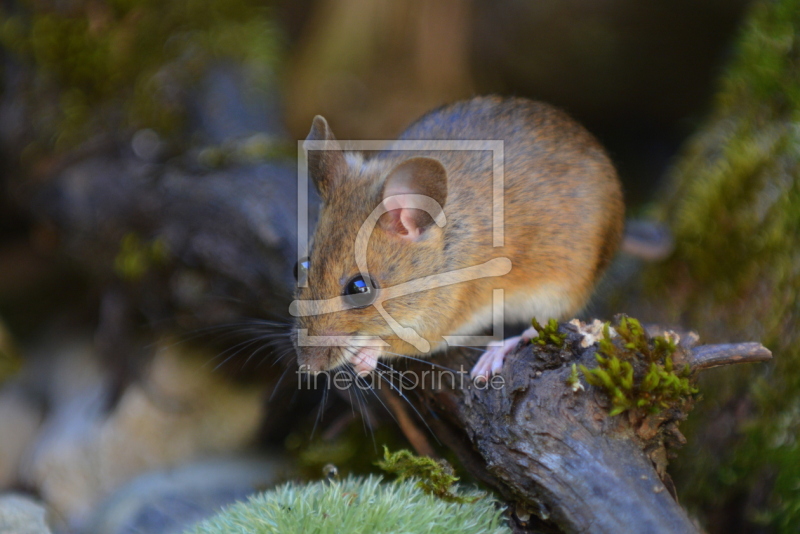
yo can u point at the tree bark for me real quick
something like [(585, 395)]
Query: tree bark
[(555, 453)]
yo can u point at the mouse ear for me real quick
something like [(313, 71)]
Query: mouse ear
[(410, 216), (325, 156)]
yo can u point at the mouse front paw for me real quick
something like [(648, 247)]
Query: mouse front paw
[(492, 360), (364, 361)]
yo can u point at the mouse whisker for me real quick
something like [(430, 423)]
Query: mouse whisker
[(394, 372), (480, 349), (238, 348), (320, 411), (419, 415), (277, 385), (406, 356), (362, 403), (244, 345), (279, 357), (265, 346), (372, 390)]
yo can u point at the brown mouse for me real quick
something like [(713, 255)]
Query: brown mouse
[(429, 265)]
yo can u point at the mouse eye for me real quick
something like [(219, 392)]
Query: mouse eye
[(301, 271), (360, 291)]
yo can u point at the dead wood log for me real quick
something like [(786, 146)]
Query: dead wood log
[(553, 451)]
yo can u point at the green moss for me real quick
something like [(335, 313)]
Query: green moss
[(352, 451), (434, 477), (736, 191), (136, 257), (574, 379), (253, 149), (735, 214), (548, 334), (637, 372), (355, 505), (101, 66)]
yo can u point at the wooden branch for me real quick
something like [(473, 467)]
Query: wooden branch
[(418, 439), (708, 356), (554, 453)]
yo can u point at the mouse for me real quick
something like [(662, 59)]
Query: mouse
[(406, 255)]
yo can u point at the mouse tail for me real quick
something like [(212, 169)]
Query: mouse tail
[(647, 240)]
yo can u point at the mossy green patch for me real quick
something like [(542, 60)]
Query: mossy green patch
[(434, 477), (355, 505), (253, 149), (548, 334), (734, 211), (352, 451), (637, 372), (574, 379), (136, 256), (103, 66)]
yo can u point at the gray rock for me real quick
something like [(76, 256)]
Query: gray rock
[(169, 501), (19, 422), (180, 411), (22, 515)]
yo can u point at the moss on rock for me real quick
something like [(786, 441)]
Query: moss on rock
[(434, 477)]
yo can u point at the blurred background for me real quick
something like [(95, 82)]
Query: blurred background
[(147, 225)]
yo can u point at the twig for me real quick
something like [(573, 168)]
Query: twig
[(413, 434), (708, 356)]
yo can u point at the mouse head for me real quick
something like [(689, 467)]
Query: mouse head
[(379, 210)]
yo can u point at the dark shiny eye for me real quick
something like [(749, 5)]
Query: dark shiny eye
[(301, 271), (360, 291)]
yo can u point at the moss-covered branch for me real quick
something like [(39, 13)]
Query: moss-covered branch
[(561, 451)]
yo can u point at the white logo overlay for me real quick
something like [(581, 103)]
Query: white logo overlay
[(492, 268)]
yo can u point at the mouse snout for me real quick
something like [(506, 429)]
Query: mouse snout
[(314, 359)]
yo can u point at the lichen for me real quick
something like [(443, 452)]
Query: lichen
[(434, 477), (637, 372), (548, 334)]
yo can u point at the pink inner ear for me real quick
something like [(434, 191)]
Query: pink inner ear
[(401, 219)]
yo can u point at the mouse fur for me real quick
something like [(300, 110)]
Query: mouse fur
[(563, 221)]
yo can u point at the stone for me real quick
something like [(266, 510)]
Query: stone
[(171, 500), (179, 411), (19, 420), (22, 515)]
